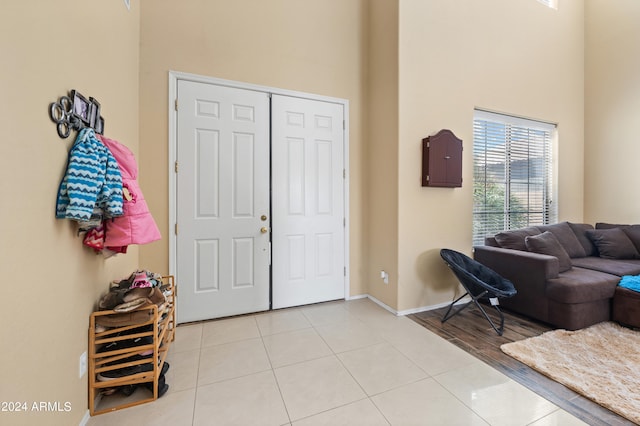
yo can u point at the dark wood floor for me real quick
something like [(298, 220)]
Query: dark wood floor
[(471, 332)]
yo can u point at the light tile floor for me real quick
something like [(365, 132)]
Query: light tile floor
[(337, 363)]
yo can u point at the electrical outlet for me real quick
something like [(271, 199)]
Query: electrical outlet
[(385, 276), (82, 366)]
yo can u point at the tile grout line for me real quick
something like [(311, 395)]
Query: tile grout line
[(275, 377), (195, 395)]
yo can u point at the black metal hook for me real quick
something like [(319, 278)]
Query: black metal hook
[(75, 112)]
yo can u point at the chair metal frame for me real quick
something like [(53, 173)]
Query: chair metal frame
[(471, 282)]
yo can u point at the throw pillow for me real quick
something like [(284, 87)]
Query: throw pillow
[(613, 243), (515, 239), (547, 243), (580, 229), (566, 237)]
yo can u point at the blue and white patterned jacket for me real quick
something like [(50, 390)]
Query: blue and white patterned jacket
[(92, 180)]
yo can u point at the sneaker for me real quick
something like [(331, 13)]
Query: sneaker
[(125, 344), (105, 376)]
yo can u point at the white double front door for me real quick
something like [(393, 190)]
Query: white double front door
[(259, 201)]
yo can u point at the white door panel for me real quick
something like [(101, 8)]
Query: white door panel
[(307, 201), (222, 193)]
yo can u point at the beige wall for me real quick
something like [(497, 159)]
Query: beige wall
[(408, 68), (261, 42), (612, 125), (50, 281), (512, 56), (381, 155)]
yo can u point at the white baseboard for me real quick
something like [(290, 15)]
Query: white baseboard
[(382, 304), (407, 311), (432, 307), (85, 419), (358, 296)]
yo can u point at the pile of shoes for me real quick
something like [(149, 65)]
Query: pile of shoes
[(128, 364), (140, 289)]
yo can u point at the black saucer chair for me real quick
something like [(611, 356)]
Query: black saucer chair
[(480, 282)]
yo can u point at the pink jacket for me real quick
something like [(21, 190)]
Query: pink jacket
[(136, 225)]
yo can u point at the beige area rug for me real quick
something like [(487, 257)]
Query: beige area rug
[(601, 362)]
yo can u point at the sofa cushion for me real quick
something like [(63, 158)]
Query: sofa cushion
[(566, 237), (633, 232), (515, 239), (626, 307), (605, 225), (547, 243), (613, 243), (581, 285), (610, 266), (580, 229)]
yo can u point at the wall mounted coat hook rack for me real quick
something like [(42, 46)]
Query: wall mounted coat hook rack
[(75, 112)]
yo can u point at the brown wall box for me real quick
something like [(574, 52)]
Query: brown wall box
[(442, 160)]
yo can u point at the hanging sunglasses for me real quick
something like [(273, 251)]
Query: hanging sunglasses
[(60, 113)]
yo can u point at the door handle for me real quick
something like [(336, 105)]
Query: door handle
[(263, 217), (264, 230)]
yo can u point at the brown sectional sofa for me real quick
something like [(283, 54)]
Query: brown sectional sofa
[(566, 274)]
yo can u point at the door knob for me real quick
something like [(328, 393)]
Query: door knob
[(263, 230), (263, 217)]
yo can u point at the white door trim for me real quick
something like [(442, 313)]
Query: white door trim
[(174, 76)]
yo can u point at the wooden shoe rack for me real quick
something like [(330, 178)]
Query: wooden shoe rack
[(162, 321)]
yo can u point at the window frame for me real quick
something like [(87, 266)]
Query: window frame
[(539, 138)]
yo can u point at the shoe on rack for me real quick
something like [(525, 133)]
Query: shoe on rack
[(109, 391), (154, 295), (141, 280), (125, 344), (111, 299), (132, 305), (128, 390), (105, 376), (124, 284), (124, 319), (163, 387), (132, 358)]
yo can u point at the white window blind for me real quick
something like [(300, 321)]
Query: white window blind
[(550, 3), (512, 174)]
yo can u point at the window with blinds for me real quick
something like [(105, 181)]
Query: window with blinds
[(550, 3), (512, 174)]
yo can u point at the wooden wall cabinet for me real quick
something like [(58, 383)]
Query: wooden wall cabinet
[(442, 160)]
